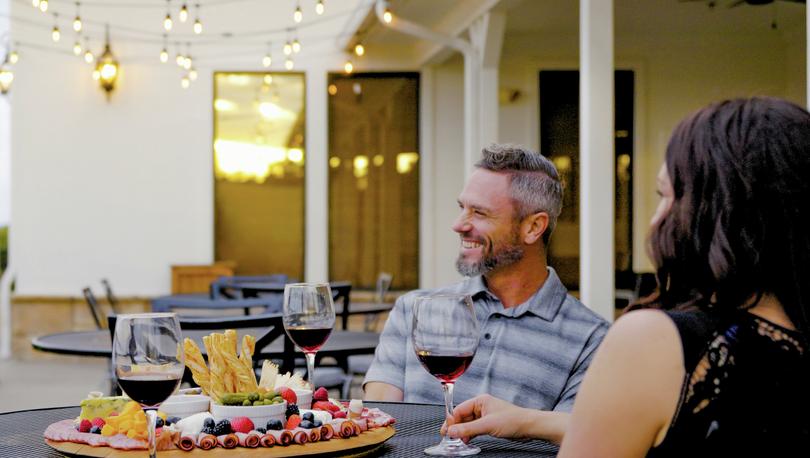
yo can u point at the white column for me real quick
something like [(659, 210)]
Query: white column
[(472, 71), (596, 125), (486, 35), (316, 261), (427, 220)]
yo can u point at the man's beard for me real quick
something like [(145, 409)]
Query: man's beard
[(505, 255)]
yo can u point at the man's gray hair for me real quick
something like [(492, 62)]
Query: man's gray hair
[(534, 182)]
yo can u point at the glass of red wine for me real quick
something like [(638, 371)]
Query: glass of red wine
[(445, 337), (149, 362), (309, 316)]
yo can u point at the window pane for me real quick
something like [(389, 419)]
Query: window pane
[(374, 178), (259, 172)]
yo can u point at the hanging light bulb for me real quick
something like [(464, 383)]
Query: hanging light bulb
[(35, 3), (298, 15), (77, 21), (319, 7), (192, 74), (359, 49), (267, 60), (268, 79), (55, 34), (43, 5), (164, 56), (287, 48), (88, 57), (185, 82), (77, 48), (387, 16), (296, 46), (183, 13), (167, 22), (197, 24), (180, 59), (13, 57), (187, 63), (6, 77), (107, 66), (288, 64), (348, 67)]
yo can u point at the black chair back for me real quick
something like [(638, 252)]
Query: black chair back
[(110, 296), (95, 309)]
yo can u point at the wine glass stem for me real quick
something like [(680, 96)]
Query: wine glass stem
[(311, 369), (447, 387), (151, 418)]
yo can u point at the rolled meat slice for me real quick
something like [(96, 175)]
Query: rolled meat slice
[(315, 434), (228, 440), (361, 423), (327, 431), (283, 437), (268, 440), (206, 441), (187, 442), (300, 436), (248, 440), (343, 428)]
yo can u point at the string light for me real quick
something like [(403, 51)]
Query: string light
[(35, 3), (387, 16), (167, 21), (183, 13), (287, 48), (319, 7), (6, 76), (180, 58), (88, 56), (298, 15), (296, 46), (288, 64), (359, 49), (267, 60), (77, 21), (77, 48), (268, 79), (43, 5), (55, 33), (185, 82), (13, 57), (187, 60), (164, 54), (197, 24), (348, 67), (192, 74)]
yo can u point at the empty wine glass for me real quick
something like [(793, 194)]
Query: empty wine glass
[(148, 361), (309, 316), (445, 337)]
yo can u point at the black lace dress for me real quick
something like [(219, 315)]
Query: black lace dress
[(746, 390)]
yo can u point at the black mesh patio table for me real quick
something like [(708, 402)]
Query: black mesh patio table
[(417, 427)]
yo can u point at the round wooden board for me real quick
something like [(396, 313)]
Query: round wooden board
[(355, 446)]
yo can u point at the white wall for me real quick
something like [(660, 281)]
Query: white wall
[(5, 131)]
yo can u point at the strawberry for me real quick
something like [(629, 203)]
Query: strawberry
[(98, 421), (339, 414), (84, 426), (320, 394), (293, 422), (321, 405), (288, 395), (241, 425)]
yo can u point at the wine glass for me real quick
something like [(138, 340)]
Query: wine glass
[(445, 337), (309, 316), (148, 361)]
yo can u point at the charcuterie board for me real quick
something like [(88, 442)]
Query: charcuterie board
[(356, 446)]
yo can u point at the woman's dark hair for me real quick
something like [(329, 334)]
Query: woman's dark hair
[(738, 226)]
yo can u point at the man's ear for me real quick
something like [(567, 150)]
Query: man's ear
[(533, 227)]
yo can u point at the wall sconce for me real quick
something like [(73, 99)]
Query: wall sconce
[(107, 67)]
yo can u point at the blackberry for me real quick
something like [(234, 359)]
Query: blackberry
[(261, 430), (222, 427), (209, 422), (274, 424), (306, 424), (307, 416), (292, 409), (95, 430), (207, 430)]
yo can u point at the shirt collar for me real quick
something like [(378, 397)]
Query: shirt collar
[(545, 302)]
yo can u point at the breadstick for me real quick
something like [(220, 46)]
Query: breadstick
[(246, 358), (217, 382), (196, 363)]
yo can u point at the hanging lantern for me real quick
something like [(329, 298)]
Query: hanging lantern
[(107, 67)]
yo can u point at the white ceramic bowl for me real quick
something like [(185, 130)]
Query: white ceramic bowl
[(185, 405), (257, 414), (304, 398)]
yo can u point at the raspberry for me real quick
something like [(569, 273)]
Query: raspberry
[(98, 421), (293, 422), (241, 425), (320, 394), (288, 395), (85, 426)]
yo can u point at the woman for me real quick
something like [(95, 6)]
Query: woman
[(724, 367)]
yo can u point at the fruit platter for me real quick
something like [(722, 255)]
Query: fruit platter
[(231, 414)]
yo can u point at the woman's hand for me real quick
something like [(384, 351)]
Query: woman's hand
[(489, 415)]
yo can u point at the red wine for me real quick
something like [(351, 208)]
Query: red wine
[(148, 389), (446, 368), (309, 339)]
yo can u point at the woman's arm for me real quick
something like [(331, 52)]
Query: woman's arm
[(631, 390)]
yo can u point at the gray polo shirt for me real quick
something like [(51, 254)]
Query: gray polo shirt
[(533, 355)]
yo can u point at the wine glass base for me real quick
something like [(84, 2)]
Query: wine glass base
[(452, 448)]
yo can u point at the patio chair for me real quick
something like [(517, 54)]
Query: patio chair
[(95, 309), (111, 299)]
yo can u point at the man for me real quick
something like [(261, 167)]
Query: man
[(536, 340)]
